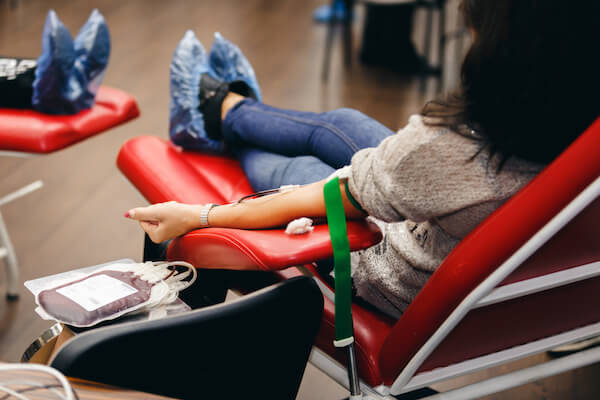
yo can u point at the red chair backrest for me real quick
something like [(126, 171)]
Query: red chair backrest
[(487, 247)]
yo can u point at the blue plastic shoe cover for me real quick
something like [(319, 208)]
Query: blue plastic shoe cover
[(54, 66), (69, 72), (92, 50), (186, 126), (228, 63)]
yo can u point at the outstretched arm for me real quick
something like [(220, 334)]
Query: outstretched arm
[(165, 221)]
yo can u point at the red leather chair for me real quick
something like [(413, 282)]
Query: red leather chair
[(33, 132), (25, 133), (524, 281)]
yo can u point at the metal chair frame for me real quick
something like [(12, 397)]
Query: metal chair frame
[(7, 250), (444, 37)]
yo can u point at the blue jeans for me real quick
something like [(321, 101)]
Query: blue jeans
[(283, 147)]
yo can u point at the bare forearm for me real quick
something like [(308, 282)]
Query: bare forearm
[(165, 221), (277, 210)]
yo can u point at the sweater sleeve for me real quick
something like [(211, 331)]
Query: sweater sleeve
[(419, 173)]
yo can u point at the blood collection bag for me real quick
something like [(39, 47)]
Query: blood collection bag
[(113, 291)]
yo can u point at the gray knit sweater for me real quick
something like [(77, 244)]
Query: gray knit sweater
[(426, 188)]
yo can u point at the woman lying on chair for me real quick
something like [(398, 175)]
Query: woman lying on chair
[(528, 88)]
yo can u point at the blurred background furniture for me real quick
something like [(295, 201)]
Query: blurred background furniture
[(387, 38)]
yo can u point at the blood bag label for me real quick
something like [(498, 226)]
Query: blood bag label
[(96, 291)]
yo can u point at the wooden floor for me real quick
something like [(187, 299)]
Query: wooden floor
[(76, 219)]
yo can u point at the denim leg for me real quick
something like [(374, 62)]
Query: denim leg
[(266, 170), (332, 137)]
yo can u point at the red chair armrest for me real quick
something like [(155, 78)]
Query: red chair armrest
[(268, 249)]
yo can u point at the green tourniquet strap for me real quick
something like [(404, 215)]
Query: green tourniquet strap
[(352, 199), (336, 219)]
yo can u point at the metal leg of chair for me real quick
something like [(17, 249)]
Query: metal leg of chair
[(460, 43), (442, 46), (348, 4), (12, 268), (328, 45), (427, 48), (355, 392), (7, 250)]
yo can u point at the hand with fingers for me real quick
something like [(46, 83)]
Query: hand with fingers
[(164, 221)]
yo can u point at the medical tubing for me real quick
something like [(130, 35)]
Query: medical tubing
[(153, 270), (42, 368), (10, 392), (31, 387)]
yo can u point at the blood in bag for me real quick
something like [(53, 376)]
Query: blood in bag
[(96, 297)]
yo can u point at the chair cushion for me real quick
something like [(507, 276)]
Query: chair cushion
[(163, 172), (34, 132)]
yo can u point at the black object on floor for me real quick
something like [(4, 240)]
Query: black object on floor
[(417, 394), (387, 38)]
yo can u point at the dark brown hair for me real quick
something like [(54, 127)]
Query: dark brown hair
[(529, 84)]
